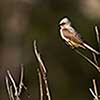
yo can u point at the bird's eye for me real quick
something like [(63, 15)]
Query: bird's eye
[(62, 24)]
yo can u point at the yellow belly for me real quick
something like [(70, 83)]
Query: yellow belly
[(73, 44)]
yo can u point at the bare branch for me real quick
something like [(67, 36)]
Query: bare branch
[(11, 94), (95, 93), (14, 95), (43, 69), (98, 41), (13, 82), (7, 85), (97, 36), (95, 88), (47, 88), (40, 84), (43, 72), (21, 81), (95, 58), (17, 98), (9, 89), (90, 61)]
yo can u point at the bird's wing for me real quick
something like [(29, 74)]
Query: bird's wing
[(72, 30), (72, 36)]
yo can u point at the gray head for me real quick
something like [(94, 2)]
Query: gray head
[(65, 21)]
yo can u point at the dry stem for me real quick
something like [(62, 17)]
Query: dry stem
[(95, 93), (42, 72), (14, 95), (89, 60)]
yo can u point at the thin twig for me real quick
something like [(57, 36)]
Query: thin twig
[(98, 42), (11, 93), (93, 94), (97, 36), (40, 84), (21, 81), (13, 82), (95, 88), (43, 72), (21, 84), (9, 89), (95, 58), (17, 98), (47, 88), (39, 58), (86, 58), (7, 85), (14, 95)]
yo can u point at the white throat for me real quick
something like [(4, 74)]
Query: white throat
[(63, 37)]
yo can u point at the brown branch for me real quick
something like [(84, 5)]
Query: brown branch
[(95, 93), (87, 59), (95, 59), (14, 95), (21, 84), (13, 82), (43, 69), (7, 85), (47, 88), (43, 72), (21, 81), (95, 88), (97, 36), (40, 84), (9, 89), (98, 42), (15, 87)]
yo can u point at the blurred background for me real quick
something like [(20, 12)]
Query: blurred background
[(22, 21)]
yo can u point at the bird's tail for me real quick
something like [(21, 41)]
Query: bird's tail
[(91, 49)]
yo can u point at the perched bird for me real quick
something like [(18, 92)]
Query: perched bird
[(71, 37)]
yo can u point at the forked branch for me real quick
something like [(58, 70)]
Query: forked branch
[(14, 95), (42, 72), (95, 92), (95, 62), (88, 59)]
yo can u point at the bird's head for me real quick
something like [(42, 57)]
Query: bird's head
[(64, 23)]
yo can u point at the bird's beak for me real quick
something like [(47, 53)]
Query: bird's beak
[(59, 25)]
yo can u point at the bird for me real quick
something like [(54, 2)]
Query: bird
[(71, 37)]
